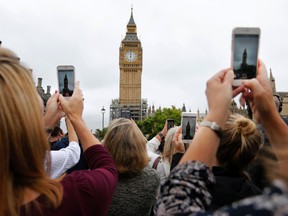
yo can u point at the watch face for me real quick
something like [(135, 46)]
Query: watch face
[(130, 56)]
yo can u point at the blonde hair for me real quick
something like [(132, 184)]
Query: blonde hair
[(127, 145), (240, 143), (169, 145), (23, 144)]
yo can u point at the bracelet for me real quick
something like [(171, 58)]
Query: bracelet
[(213, 126), (161, 136), (49, 130)]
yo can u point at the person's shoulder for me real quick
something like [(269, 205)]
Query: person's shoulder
[(150, 173), (62, 143), (149, 170)]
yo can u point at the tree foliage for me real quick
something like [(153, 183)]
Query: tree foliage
[(155, 123), (100, 133)]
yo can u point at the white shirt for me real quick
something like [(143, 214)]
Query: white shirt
[(163, 167), (64, 159)]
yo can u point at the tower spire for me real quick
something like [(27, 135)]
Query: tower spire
[(131, 26), (131, 20)]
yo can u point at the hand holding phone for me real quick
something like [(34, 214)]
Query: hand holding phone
[(245, 47), (66, 79)]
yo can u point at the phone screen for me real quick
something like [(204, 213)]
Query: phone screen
[(66, 81), (170, 123), (188, 124), (245, 55)]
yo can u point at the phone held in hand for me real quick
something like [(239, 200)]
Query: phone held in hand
[(170, 123), (245, 49), (66, 79), (188, 124)]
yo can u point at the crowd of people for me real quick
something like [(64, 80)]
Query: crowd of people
[(44, 172)]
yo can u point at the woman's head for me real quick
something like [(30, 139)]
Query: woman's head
[(127, 145), (240, 143), (170, 145), (23, 144)]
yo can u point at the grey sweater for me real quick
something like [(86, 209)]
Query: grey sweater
[(135, 195)]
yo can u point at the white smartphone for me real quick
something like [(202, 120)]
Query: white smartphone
[(66, 79), (245, 49), (188, 124)]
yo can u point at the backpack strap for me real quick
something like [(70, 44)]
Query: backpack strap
[(155, 164)]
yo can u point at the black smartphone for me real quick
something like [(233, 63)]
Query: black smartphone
[(170, 123), (66, 79), (245, 48)]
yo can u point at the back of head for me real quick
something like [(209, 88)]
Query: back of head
[(240, 143), (127, 145), (169, 146), (23, 143), (57, 130)]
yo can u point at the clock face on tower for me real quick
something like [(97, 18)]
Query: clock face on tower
[(130, 56)]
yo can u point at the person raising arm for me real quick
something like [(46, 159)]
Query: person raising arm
[(186, 191)]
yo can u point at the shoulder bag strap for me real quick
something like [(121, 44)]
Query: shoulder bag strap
[(155, 164)]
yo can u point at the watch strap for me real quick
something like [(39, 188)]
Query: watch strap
[(161, 136), (213, 126)]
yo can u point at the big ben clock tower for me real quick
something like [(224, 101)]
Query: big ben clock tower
[(130, 63), (130, 104)]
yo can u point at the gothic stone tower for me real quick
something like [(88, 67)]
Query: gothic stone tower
[(130, 63), (130, 103)]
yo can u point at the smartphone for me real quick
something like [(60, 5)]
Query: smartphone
[(66, 79), (170, 123), (188, 124), (245, 48)]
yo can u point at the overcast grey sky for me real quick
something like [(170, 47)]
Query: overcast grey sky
[(184, 43)]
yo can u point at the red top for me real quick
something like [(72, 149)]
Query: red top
[(86, 192)]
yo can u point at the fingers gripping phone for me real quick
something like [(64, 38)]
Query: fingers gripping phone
[(245, 47), (66, 79), (188, 124)]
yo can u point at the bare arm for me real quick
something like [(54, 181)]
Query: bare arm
[(219, 94), (153, 144), (262, 103), (73, 109), (71, 132), (53, 113)]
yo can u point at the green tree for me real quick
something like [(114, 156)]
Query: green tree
[(154, 124), (100, 133)]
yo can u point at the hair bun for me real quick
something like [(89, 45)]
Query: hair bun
[(245, 126)]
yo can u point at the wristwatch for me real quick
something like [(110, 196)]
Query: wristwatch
[(213, 126), (161, 136)]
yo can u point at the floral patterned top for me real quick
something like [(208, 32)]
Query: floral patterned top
[(185, 192)]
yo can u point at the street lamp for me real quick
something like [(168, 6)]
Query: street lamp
[(103, 111)]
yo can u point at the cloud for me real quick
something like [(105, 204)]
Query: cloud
[(184, 44)]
